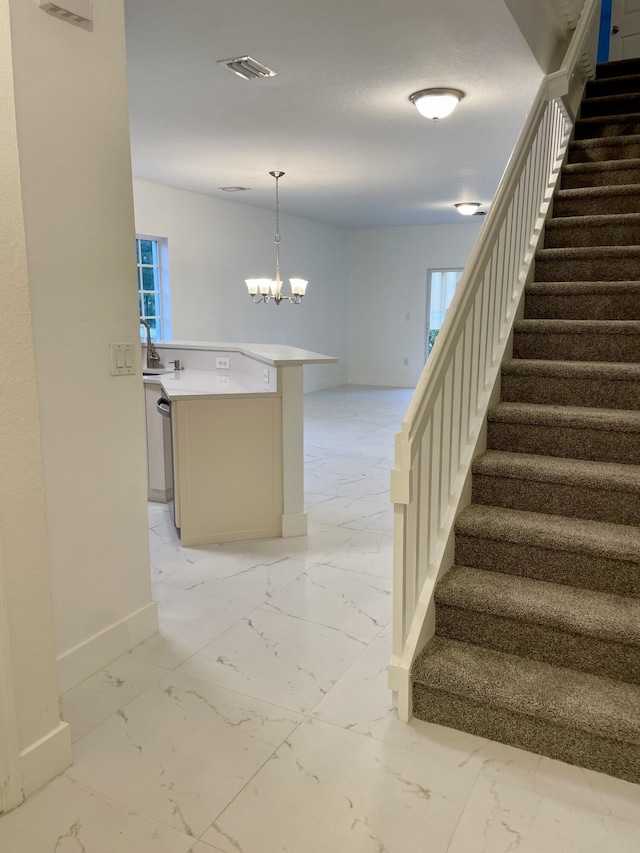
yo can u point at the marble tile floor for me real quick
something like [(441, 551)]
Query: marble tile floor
[(258, 720)]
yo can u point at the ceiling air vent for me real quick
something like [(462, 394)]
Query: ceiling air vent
[(247, 68)]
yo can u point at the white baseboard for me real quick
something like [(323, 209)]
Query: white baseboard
[(45, 759), (321, 384), (98, 651), (294, 524), (381, 381)]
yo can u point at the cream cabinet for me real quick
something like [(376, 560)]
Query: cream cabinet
[(228, 468)]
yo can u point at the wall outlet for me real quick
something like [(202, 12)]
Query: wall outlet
[(405, 361), (266, 375), (222, 364)]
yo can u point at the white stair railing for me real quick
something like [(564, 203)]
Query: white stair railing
[(444, 422)]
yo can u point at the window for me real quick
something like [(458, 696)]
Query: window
[(441, 285), (153, 296)]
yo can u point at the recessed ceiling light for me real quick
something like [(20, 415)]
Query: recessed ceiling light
[(234, 189), (467, 208), (436, 103)]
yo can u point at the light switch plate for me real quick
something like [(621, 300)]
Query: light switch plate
[(123, 360)]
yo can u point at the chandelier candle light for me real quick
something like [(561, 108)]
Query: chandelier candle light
[(266, 289)]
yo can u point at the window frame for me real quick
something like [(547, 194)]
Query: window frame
[(162, 315)]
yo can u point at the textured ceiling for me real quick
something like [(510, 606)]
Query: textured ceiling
[(336, 118)]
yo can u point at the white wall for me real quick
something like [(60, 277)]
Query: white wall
[(73, 138), (215, 244), (29, 711), (388, 281), (545, 28)]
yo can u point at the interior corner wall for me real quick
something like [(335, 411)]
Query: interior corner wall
[(544, 28), (215, 244), (73, 144), (388, 296)]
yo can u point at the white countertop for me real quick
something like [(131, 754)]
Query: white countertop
[(197, 384), (275, 354)]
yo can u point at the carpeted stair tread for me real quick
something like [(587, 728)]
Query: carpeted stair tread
[(578, 327), (558, 485), (582, 300), (609, 435), (578, 417), (615, 341), (612, 385), (599, 263), (617, 68), (574, 370), (610, 254), (607, 105), (604, 148), (606, 476), (555, 532), (564, 608), (610, 289), (604, 86), (623, 124), (593, 231), (558, 695), (588, 192), (600, 173), (596, 200)]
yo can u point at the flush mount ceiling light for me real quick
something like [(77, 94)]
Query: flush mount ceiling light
[(467, 208), (436, 103), (266, 289)]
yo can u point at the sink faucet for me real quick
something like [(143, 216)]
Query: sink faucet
[(153, 358)]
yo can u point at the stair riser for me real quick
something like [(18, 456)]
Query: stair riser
[(525, 732), (609, 126), (599, 178), (558, 391), (620, 68), (565, 442), (604, 150), (577, 347), (574, 501), (574, 235), (597, 205), (514, 636), (625, 268), (613, 86), (571, 568), (581, 306), (610, 105)]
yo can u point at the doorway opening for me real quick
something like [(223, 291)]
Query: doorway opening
[(441, 285)]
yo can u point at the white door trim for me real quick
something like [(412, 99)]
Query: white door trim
[(628, 24)]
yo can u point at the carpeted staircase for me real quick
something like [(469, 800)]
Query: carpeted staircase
[(538, 622)]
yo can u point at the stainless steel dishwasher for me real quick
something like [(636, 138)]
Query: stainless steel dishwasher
[(163, 407)]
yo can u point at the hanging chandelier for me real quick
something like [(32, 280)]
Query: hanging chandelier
[(266, 289)]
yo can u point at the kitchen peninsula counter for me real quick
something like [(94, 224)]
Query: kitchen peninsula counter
[(237, 437)]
